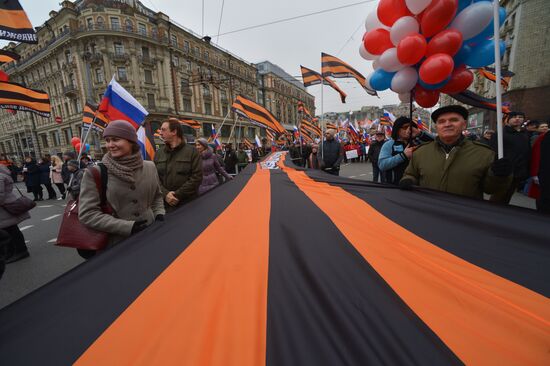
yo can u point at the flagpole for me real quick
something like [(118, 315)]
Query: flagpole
[(496, 22), (322, 124)]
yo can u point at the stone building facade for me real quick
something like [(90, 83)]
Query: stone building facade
[(169, 69)]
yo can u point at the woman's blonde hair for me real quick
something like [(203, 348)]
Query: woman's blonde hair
[(56, 160)]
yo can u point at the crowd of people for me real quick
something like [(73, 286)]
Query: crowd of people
[(141, 192)]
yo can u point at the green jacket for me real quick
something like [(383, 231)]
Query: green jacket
[(180, 170), (465, 171)]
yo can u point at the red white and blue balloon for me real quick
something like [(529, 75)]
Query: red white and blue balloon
[(426, 47)]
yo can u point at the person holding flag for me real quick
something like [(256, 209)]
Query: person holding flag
[(178, 166), (132, 187)]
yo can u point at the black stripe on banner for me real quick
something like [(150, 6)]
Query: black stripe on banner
[(21, 96), (326, 304), (484, 234), (339, 64), (57, 323), (10, 5)]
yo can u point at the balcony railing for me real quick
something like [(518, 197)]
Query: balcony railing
[(70, 90)]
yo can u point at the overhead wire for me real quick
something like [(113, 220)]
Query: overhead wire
[(220, 23), (295, 17)]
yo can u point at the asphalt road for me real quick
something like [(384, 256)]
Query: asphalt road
[(48, 261)]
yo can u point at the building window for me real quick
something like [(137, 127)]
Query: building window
[(197, 51), (68, 134), (189, 66), (186, 46), (90, 23), (115, 23), (205, 90), (175, 61), (226, 131), (100, 23), (119, 48), (225, 109), (251, 132), (208, 108), (174, 40), (55, 138), (99, 76), (151, 101), (145, 52), (129, 25), (44, 139), (121, 73), (67, 58), (206, 55), (148, 76), (187, 105), (207, 129), (142, 29)]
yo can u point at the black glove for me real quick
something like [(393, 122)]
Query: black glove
[(159, 218), (502, 167), (406, 184), (138, 226)]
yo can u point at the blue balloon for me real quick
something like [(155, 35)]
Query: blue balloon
[(488, 32), (87, 147), (433, 86), (381, 80), (462, 55), (484, 54)]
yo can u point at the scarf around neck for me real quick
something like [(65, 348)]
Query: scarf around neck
[(123, 168)]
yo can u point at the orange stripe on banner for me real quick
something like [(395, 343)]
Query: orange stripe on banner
[(483, 318), (209, 307), (15, 19)]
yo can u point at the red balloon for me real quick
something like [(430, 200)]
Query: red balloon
[(425, 98), (461, 79), (77, 147), (411, 49), (448, 41), (436, 68), (74, 141), (390, 10), (377, 41), (437, 16)]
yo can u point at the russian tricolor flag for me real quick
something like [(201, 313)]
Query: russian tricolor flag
[(146, 144), (117, 103), (215, 138)]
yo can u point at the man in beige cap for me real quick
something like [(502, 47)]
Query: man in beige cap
[(331, 154)]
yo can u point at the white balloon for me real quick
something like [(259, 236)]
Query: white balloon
[(372, 22), (367, 82), (389, 61), (417, 6), (402, 28), (366, 54), (404, 80), (376, 64), (404, 97), (473, 19)]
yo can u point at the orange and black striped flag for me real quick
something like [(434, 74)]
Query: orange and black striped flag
[(249, 145), (303, 109), (14, 23), (101, 121), (190, 123), (387, 275), (490, 74), (16, 97), (310, 127), (468, 97), (305, 134), (8, 56), (311, 77), (256, 114), (270, 135), (331, 126), (333, 66)]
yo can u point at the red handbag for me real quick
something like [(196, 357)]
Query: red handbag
[(73, 233)]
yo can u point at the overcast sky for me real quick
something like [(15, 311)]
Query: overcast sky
[(287, 44)]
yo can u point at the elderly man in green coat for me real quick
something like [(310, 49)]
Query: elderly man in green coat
[(455, 164)]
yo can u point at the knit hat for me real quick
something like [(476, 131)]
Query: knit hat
[(121, 129), (203, 142), (515, 113), (73, 163), (398, 124)]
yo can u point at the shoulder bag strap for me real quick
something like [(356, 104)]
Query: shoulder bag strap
[(100, 182)]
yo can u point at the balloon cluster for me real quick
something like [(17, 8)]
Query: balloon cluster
[(77, 144), (425, 47)]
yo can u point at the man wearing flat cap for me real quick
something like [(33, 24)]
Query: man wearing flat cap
[(455, 164), (332, 153), (517, 149)]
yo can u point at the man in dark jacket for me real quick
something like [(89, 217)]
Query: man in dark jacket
[(455, 164), (544, 175), (517, 149), (374, 152), (178, 165), (332, 153), (230, 159), (65, 173)]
